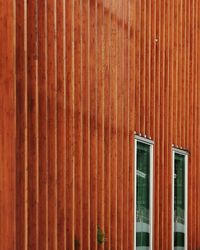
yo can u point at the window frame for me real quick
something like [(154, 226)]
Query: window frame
[(151, 144), (185, 154)]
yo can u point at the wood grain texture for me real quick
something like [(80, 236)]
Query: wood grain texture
[(21, 120), (87, 75), (8, 127)]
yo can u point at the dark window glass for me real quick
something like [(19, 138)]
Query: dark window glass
[(143, 196), (179, 201)]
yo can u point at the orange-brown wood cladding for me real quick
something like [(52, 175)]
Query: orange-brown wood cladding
[(88, 74), (7, 125)]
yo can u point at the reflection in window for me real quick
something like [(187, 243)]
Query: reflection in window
[(179, 201), (143, 197)]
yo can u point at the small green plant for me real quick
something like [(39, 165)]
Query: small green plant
[(100, 236)]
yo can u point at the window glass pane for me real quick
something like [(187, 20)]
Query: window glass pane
[(179, 201), (143, 197)]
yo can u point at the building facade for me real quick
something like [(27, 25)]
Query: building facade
[(100, 128)]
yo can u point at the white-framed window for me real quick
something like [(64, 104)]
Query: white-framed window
[(143, 206), (179, 199)]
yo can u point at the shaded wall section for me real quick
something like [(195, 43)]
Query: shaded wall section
[(89, 74)]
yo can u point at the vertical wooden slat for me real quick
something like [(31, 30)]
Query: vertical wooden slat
[(165, 130), (185, 69), (69, 15), (157, 132), (190, 176), (78, 121), (43, 137), (131, 85), (175, 61), (8, 125), (138, 66), (194, 128), (107, 112), (184, 24), (126, 135), (113, 85), (196, 119), (188, 107), (143, 66), (167, 145), (170, 120), (187, 72), (21, 121), (100, 117), (198, 127), (93, 124), (32, 125), (179, 74), (86, 128), (162, 124), (61, 127), (52, 131), (120, 106), (153, 68), (148, 68)]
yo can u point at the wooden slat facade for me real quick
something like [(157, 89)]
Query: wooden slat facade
[(89, 74)]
